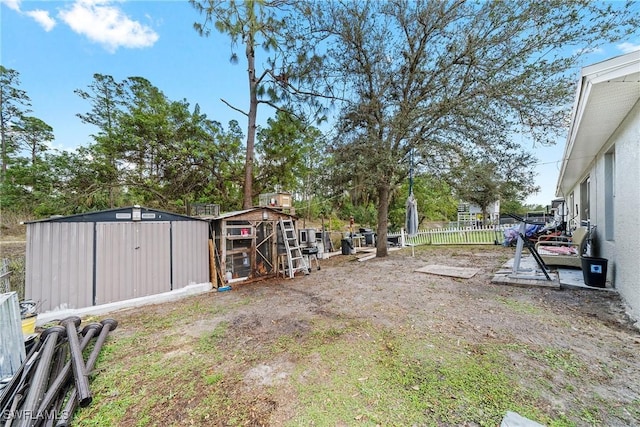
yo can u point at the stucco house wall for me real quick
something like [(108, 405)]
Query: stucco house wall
[(603, 147), (624, 247)]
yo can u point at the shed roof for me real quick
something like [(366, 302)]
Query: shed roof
[(124, 214), (239, 213)]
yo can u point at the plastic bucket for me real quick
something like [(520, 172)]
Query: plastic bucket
[(29, 325), (594, 271)]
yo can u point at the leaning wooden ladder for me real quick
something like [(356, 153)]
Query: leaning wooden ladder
[(295, 261)]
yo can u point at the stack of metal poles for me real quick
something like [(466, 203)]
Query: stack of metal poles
[(53, 381)]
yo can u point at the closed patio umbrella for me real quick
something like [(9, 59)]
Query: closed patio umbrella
[(412, 216), (411, 223)]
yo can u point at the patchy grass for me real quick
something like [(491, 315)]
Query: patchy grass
[(140, 381), (16, 265), (12, 225), (388, 378), (156, 373), (520, 307), (342, 347), (557, 360), (344, 374)]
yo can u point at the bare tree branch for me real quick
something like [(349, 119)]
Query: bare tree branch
[(234, 108)]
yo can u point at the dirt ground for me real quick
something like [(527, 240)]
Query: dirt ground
[(590, 325), (12, 248)]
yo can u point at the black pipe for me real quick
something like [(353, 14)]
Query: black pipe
[(63, 377), (77, 362), (108, 325), (37, 385)]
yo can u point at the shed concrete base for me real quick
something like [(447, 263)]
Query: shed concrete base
[(59, 314), (528, 275)]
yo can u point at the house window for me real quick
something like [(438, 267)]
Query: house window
[(609, 193), (585, 189)]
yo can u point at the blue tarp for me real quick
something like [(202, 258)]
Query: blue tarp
[(511, 234)]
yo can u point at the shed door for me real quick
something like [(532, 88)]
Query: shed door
[(132, 260)]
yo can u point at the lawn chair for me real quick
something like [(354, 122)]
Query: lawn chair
[(564, 250)]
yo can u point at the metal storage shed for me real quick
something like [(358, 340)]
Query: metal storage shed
[(113, 255)]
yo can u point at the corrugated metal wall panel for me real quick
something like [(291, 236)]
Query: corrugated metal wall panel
[(114, 262), (12, 352), (59, 264), (190, 256), (153, 272), (132, 260)]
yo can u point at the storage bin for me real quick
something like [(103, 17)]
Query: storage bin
[(594, 271)]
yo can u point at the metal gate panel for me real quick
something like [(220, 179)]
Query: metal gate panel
[(190, 252), (59, 264), (132, 260)]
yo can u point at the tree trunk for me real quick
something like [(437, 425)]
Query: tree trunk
[(251, 127), (3, 138), (248, 165), (383, 220), (3, 155)]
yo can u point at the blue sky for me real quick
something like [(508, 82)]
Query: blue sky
[(57, 46)]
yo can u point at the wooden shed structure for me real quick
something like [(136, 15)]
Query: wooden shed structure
[(247, 242), (113, 255), (281, 201)]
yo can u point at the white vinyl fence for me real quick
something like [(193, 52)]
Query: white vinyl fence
[(485, 235)]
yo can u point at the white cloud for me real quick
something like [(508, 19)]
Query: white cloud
[(627, 47), (42, 17), (107, 25), (12, 4)]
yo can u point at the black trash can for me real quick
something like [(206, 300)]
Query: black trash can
[(347, 247), (369, 238), (594, 271)]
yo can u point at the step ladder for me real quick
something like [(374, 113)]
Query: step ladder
[(293, 254)]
